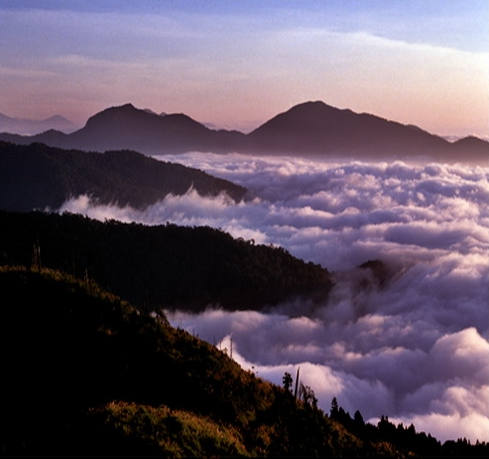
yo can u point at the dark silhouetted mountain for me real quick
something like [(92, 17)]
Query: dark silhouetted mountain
[(50, 138), (31, 127), (319, 129), (127, 127), (37, 176), (311, 128), (472, 144)]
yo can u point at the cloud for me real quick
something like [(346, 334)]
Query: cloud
[(414, 347)]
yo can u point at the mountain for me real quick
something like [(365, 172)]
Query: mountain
[(162, 266), (316, 128), (311, 128), (31, 127), (37, 176), (477, 147), (127, 127), (88, 374)]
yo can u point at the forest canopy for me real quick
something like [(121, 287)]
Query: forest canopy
[(165, 266), (36, 176)]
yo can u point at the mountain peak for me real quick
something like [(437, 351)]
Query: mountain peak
[(311, 103), (126, 112), (472, 144), (57, 118), (470, 139), (310, 110), (125, 106), (300, 118), (312, 106)]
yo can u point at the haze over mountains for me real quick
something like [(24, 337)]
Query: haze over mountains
[(307, 129), (31, 127)]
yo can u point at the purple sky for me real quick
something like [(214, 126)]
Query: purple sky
[(235, 67)]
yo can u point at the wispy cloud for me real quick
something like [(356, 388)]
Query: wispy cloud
[(230, 67)]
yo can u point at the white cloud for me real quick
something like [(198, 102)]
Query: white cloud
[(415, 347)]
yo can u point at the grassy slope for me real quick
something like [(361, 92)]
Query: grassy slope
[(86, 373), (90, 374)]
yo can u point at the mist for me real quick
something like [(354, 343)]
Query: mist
[(413, 346)]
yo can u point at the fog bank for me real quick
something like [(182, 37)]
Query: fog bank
[(415, 346)]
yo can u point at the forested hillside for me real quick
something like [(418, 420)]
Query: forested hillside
[(37, 176), (161, 266), (86, 373)]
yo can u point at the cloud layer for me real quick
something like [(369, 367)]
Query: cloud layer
[(414, 347)]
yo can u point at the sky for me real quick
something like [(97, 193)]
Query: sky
[(236, 64)]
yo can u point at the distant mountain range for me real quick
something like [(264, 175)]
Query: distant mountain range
[(37, 176), (311, 128), (127, 127), (31, 127)]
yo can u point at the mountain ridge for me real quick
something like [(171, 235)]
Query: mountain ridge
[(311, 128), (37, 176), (319, 128)]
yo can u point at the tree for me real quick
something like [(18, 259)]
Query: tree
[(333, 412), (36, 256), (358, 418), (308, 396), (296, 383), (287, 381)]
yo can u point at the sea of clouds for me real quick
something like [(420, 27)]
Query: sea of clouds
[(414, 348)]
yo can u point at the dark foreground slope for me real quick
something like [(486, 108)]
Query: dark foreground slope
[(74, 348), (90, 374), (36, 176), (161, 266), (85, 373)]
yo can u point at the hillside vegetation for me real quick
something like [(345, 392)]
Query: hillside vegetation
[(164, 266), (37, 176), (89, 374)]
